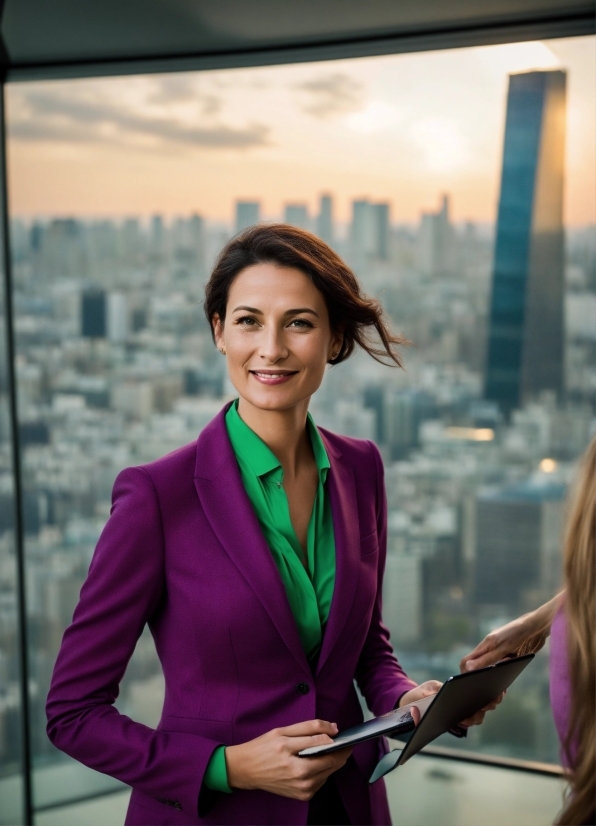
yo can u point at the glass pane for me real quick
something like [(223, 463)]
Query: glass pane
[(11, 780), (124, 190), (452, 793)]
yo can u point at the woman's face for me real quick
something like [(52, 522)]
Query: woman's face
[(276, 336)]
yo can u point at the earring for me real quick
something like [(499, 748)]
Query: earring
[(334, 355), (222, 351)]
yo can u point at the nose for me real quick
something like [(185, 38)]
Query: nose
[(273, 347)]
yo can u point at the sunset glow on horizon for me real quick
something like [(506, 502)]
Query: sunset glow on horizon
[(401, 128)]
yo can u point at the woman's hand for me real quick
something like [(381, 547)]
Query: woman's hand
[(431, 687), (270, 762), (531, 629), (419, 692)]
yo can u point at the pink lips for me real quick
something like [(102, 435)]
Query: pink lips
[(272, 377)]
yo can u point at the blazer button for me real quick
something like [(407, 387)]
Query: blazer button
[(303, 688)]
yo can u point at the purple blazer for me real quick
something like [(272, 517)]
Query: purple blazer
[(184, 553)]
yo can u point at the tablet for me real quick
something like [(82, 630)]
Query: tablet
[(397, 721), (459, 697)]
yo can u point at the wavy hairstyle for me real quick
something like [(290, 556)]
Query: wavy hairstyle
[(353, 314), (580, 614)]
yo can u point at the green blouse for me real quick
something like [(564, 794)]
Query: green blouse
[(308, 581)]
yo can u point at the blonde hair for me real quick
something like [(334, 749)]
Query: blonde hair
[(580, 611)]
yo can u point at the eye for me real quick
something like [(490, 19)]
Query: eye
[(246, 321), (300, 323)]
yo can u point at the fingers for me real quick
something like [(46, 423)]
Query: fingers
[(430, 687), (473, 663), (420, 692), (296, 744), (313, 772), (309, 728), (481, 649)]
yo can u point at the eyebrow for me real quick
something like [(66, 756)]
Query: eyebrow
[(287, 312)]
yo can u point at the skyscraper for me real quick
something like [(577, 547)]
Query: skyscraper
[(361, 232), (94, 322), (435, 241), (369, 231), (525, 340), (518, 534), (380, 228), (247, 214), (325, 219), (297, 215), (104, 315)]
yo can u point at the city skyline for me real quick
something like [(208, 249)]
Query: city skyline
[(398, 128)]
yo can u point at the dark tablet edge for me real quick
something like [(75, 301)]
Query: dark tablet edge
[(402, 728), (457, 677)]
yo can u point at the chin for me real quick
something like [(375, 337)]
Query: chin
[(271, 398)]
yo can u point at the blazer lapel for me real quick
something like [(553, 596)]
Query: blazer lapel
[(342, 493), (234, 522)]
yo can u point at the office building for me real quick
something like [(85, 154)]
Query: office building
[(380, 230), (403, 412), (436, 241), (525, 338), (117, 317), (369, 230), (248, 213), (361, 233), (518, 543), (93, 314), (402, 591), (324, 225), (297, 216), (104, 315), (157, 234)]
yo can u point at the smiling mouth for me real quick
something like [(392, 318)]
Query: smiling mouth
[(273, 376)]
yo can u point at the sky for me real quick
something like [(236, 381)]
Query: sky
[(401, 128)]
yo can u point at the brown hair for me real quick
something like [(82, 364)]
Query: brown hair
[(580, 610), (352, 314)]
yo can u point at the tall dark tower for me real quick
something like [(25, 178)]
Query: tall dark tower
[(94, 314), (525, 339)]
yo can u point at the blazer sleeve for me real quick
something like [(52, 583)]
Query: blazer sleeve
[(125, 587), (380, 677)]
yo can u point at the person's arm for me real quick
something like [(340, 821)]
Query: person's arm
[(526, 634), (122, 592), (381, 679)]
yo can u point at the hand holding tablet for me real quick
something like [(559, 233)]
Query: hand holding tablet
[(460, 698), (398, 721)]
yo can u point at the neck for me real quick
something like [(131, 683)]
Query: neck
[(283, 431)]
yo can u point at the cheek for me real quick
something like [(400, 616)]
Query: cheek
[(313, 355)]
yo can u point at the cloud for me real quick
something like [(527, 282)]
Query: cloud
[(183, 89), (41, 115), (329, 95)]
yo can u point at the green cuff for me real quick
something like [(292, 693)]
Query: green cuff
[(216, 774)]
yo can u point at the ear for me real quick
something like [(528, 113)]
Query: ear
[(218, 333), (337, 340)]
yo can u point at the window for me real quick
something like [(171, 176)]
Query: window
[(11, 722), (122, 192)]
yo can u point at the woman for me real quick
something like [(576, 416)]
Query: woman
[(570, 618), (256, 557)]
